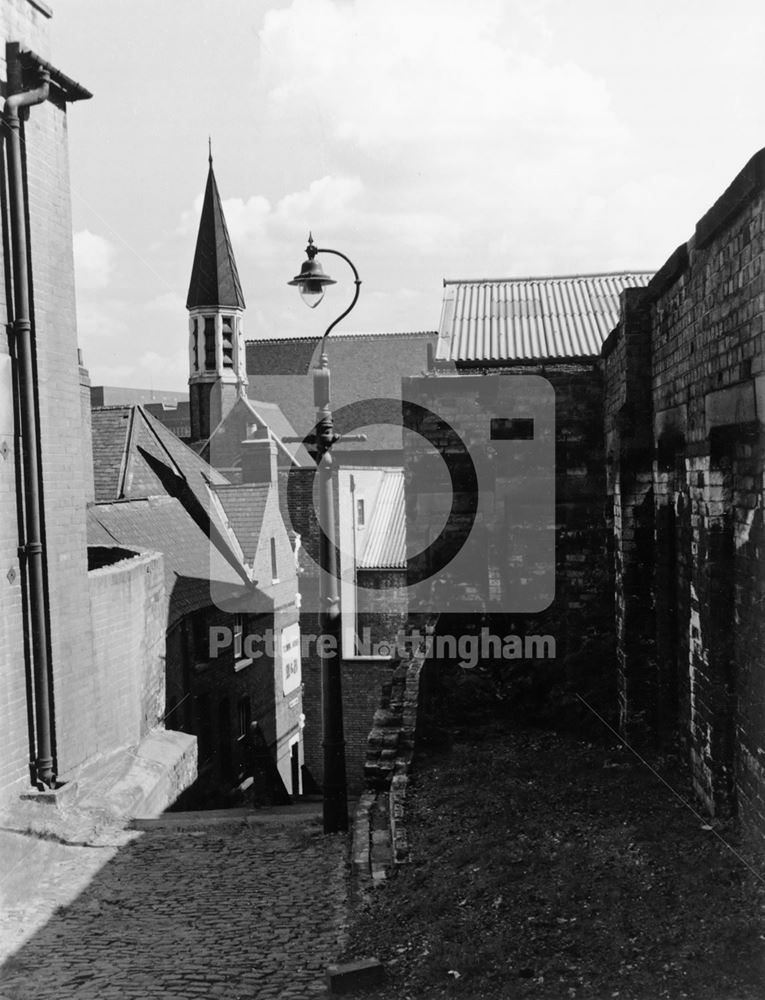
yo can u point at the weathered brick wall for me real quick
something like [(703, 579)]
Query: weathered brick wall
[(128, 608), (629, 485), (362, 681), (382, 603), (707, 347), (61, 431), (64, 489), (703, 342), (580, 610)]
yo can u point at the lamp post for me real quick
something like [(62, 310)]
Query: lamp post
[(312, 282)]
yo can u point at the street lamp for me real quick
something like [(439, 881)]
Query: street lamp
[(312, 282)]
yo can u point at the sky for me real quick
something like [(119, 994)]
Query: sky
[(424, 139)]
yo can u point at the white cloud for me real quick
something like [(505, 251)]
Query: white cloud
[(163, 370), (461, 137), (93, 260)]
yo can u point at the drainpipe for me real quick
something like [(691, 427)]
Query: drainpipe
[(22, 329)]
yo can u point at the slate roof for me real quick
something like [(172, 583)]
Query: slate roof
[(125, 440), (529, 319), (363, 367), (162, 524), (245, 507), (136, 458), (385, 542), (214, 277)]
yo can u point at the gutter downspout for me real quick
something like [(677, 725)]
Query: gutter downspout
[(22, 328)]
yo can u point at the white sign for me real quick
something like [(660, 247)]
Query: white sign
[(290, 652)]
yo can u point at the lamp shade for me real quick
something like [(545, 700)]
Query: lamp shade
[(312, 281)]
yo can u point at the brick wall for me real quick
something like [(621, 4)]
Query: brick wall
[(362, 684), (629, 485), (206, 696), (701, 340), (580, 609), (382, 603), (361, 678), (61, 433), (128, 609)]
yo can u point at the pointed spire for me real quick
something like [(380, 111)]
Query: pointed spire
[(214, 277), (209, 149)]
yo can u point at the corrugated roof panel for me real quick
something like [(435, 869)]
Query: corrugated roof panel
[(385, 546), (523, 319)]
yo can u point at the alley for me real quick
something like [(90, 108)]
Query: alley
[(241, 908)]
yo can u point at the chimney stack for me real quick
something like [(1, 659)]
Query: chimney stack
[(259, 463)]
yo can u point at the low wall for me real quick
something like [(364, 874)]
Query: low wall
[(379, 835), (128, 608)]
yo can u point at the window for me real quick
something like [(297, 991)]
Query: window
[(360, 513), (228, 341), (512, 429), (274, 565), (238, 633), (210, 365), (245, 716)]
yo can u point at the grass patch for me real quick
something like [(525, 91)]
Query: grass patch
[(547, 866)]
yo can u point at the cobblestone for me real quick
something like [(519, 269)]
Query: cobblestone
[(245, 910)]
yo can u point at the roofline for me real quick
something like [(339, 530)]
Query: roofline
[(345, 336), (69, 89), (218, 306), (160, 497), (455, 365), (544, 277)]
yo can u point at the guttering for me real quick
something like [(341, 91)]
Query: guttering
[(32, 549)]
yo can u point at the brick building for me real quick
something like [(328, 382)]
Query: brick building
[(255, 399), (230, 574), (517, 375), (684, 398), (81, 639)]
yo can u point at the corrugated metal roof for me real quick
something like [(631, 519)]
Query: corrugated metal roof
[(528, 319), (385, 545)]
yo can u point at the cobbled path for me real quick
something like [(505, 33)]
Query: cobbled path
[(237, 910)]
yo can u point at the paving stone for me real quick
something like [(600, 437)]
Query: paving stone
[(245, 911)]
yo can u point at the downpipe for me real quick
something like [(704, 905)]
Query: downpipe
[(21, 325)]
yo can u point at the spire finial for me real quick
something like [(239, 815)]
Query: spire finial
[(209, 150)]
